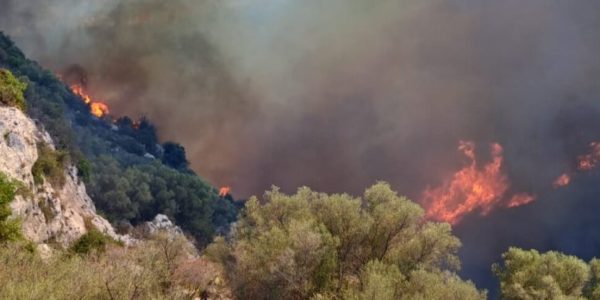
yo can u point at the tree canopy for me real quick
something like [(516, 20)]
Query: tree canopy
[(527, 274), (323, 246)]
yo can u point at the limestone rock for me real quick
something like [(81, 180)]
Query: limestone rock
[(49, 214)]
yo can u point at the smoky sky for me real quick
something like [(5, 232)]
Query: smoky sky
[(338, 94)]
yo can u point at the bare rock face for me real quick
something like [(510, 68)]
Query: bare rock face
[(161, 223), (49, 214)]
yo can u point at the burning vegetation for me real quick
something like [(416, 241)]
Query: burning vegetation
[(585, 163), (562, 180), (473, 188), (224, 191), (97, 108)]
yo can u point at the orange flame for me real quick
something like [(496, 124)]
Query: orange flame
[(519, 199), (562, 180), (97, 108), (471, 188), (224, 191), (589, 161)]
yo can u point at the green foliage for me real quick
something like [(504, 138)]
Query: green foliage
[(592, 289), (174, 156), (92, 241), (11, 90), (316, 245), (552, 275), (139, 192), (50, 165), (84, 170), (10, 230)]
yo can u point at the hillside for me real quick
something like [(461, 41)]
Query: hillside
[(129, 174), (55, 209)]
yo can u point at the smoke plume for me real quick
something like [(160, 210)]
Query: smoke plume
[(337, 94)]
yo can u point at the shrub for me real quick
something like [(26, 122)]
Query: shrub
[(49, 165), (93, 241), (84, 170), (10, 230), (137, 272), (11, 90)]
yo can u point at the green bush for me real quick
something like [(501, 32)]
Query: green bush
[(10, 230), (92, 241), (11, 90), (84, 170), (50, 165)]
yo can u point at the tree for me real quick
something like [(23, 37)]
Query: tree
[(174, 156), (337, 246), (146, 135), (11, 90), (527, 274)]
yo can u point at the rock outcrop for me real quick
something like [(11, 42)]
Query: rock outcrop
[(161, 223), (49, 213)]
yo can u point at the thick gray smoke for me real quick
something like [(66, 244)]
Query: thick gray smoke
[(337, 94)]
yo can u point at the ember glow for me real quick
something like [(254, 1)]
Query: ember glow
[(97, 108), (589, 161), (473, 188), (562, 180), (224, 191)]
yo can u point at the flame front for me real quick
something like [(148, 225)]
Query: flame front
[(224, 191), (97, 108), (471, 188)]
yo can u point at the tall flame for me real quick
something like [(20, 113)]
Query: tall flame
[(97, 108), (471, 189), (224, 191)]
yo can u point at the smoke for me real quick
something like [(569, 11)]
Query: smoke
[(337, 94)]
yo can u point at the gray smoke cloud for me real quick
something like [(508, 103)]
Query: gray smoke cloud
[(337, 94)]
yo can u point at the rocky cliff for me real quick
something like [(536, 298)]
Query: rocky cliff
[(49, 213)]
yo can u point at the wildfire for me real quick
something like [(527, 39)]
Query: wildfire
[(585, 162), (224, 191), (97, 108), (519, 199), (589, 161), (471, 188), (562, 180)]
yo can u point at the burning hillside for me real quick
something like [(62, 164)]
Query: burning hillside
[(339, 94)]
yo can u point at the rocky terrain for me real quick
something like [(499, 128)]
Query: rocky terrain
[(49, 214)]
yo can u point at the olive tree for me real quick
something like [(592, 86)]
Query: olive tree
[(315, 245)]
